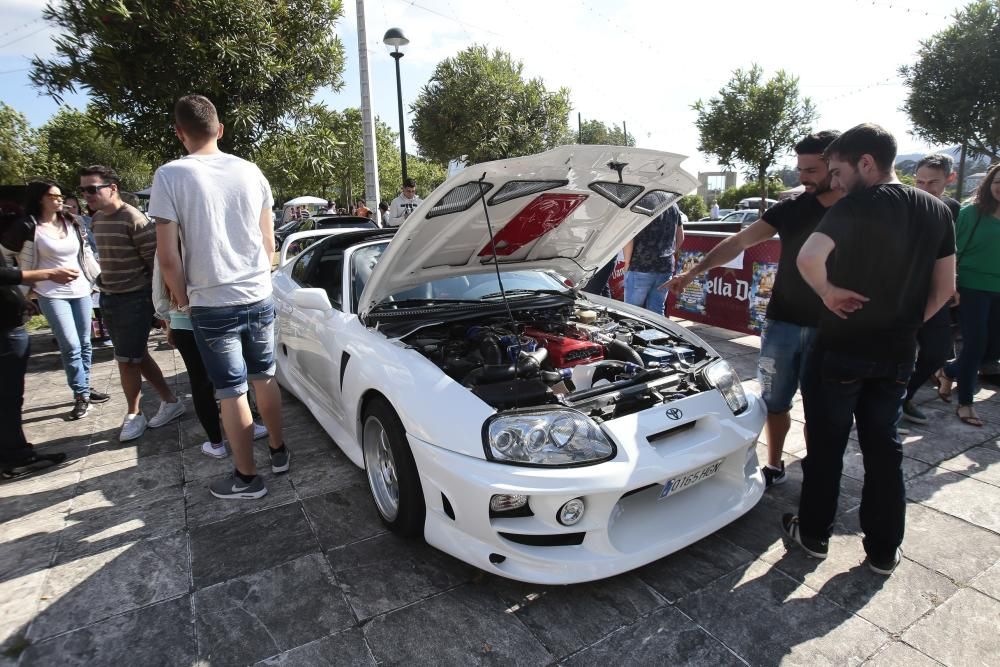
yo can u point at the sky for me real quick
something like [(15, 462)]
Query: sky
[(637, 61)]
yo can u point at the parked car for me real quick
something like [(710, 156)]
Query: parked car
[(744, 217), (524, 427), (321, 222), (723, 212), (754, 203)]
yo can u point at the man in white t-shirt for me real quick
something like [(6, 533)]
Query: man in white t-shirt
[(214, 210), (403, 205)]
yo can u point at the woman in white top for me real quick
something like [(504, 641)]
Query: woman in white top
[(59, 242)]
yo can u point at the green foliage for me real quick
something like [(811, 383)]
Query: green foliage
[(322, 154), (73, 139), (955, 84), (752, 122), (693, 207), (257, 60), (595, 132), (732, 196), (19, 155), (477, 106)]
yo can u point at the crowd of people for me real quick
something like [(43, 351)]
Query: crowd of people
[(388, 215), (860, 316), (859, 319)]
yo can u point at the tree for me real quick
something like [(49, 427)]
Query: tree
[(595, 132), (73, 139), (478, 107), (693, 207), (752, 121), (955, 84), (257, 60), (18, 147), (732, 196)]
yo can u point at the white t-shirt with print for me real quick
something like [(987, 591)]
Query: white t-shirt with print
[(217, 200)]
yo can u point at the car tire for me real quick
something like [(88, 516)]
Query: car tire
[(391, 470)]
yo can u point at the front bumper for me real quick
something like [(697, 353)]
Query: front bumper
[(625, 525)]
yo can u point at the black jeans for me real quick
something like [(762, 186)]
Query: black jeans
[(599, 283), (978, 314), (936, 348), (202, 391), (836, 387), (15, 347)]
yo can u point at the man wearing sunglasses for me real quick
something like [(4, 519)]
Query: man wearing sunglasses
[(126, 244)]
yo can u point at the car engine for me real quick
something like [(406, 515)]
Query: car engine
[(601, 362)]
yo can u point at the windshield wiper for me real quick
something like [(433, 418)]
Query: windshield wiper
[(407, 303), (527, 292)]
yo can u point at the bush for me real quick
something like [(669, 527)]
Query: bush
[(693, 207)]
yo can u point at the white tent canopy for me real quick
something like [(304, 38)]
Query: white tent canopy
[(304, 201)]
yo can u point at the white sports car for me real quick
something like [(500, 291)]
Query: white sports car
[(529, 429)]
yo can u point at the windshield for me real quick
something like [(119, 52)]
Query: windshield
[(471, 288), (733, 217)]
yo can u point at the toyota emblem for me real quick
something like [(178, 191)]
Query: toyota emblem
[(674, 413)]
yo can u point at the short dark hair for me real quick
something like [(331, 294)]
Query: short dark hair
[(409, 183), (865, 139), (196, 115), (382, 206), (816, 143), (33, 195), (938, 161), (107, 174)]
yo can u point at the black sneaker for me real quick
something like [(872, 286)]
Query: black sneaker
[(885, 567), (98, 396), (813, 547), (774, 476), (232, 487), (279, 460), (36, 463), (80, 408), (913, 413)]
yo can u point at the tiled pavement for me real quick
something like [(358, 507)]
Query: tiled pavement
[(121, 557)]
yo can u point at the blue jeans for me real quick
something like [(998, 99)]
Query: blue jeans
[(236, 344), (784, 348), (643, 289), (836, 388), (70, 322), (15, 347), (976, 309)]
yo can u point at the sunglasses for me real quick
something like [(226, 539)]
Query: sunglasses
[(93, 189), (52, 196)]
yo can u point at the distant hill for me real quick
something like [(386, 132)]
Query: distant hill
[(955, 152)]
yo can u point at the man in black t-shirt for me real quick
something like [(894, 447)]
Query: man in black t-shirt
[(794, 309), (934, 173), (883, 262)]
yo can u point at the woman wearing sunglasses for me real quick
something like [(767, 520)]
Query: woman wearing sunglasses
[(48, 238)]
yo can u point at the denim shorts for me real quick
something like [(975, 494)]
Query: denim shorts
[(783, 350), (128, 318), (236, 344)]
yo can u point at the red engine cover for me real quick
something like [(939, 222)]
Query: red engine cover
[(564, 351)]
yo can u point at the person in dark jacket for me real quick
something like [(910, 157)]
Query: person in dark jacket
[(17, 457)]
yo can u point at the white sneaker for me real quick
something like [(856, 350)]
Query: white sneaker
[(133, 427), (259, 431), (215, 451), (167, 413)]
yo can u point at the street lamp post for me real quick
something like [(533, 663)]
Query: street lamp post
[(394, 38)]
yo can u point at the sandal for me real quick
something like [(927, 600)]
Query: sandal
[(945, 384), (970, 417)]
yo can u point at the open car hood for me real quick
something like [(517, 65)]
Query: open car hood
[(568, 210)]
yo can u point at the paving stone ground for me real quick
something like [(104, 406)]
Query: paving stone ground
[(121, 557)]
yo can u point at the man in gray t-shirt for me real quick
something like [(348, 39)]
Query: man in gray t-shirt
[(214, 241)]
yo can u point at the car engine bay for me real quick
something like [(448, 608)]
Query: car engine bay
[(601, 362)]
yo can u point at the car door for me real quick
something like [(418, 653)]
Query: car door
[(293, 322)]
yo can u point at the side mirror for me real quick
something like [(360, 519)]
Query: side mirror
[(311, 298)]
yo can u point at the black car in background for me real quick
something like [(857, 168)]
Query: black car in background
[(320, 222)]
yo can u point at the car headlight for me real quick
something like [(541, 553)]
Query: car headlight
[(557, 437), (722, 376)]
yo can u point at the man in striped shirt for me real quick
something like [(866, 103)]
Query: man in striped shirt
[(126, 243)]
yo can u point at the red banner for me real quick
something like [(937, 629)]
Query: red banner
[(732, 297)]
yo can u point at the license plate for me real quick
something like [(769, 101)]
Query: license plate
[(689, 479)]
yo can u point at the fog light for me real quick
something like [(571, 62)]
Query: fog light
[(571, 512), (504, 502)]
